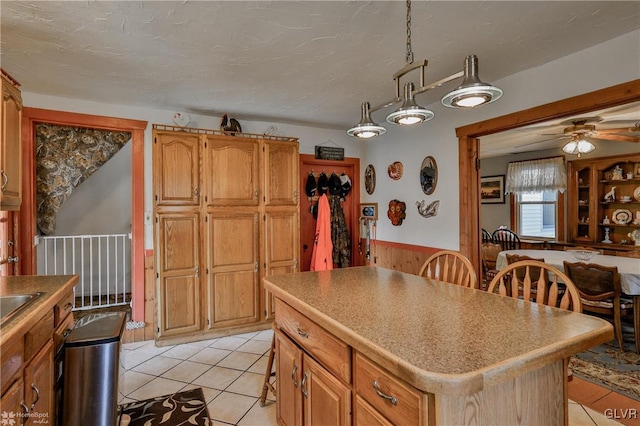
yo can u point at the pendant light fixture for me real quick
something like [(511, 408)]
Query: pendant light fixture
[(578, 146), (366, 128), (471, 93)]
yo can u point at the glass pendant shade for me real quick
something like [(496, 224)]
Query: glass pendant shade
[(366, 128), (578, 146), (472, 92), (410, 112)]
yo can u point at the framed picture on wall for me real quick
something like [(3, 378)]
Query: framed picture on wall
[(369, 211), (492, 189)]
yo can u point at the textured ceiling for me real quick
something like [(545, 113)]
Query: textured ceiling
[(297, 62)]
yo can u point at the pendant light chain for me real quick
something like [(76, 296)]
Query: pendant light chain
[(409, 56)]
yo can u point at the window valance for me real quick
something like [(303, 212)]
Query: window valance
[(548, 174)]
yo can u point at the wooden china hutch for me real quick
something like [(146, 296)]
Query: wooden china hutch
[(603, 200)]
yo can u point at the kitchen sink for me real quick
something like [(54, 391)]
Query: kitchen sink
[(13, 304)]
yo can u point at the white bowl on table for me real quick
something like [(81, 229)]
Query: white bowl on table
[(584, 255)]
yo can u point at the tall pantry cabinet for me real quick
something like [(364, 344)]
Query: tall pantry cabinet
[(226, 214)]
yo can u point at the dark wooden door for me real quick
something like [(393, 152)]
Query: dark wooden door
[(351, 167)]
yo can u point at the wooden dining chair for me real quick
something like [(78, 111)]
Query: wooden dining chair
[(451, 267), (507, 239), (489, 253), (600, 292), (547, 289), (486, 236)]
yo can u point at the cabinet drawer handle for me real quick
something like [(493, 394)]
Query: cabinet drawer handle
[(25, 409), (293, 375), (33, 386), (304, 384), (5, 179), (303, 333), (392, 399)]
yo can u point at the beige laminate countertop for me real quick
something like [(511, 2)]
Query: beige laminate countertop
[(53, 288), (438, 337)]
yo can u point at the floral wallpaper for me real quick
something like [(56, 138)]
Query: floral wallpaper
[(66, 157)]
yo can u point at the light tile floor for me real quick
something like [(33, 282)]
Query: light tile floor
[(230, 371)]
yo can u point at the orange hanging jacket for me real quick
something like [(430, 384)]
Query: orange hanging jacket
[(321, 258)]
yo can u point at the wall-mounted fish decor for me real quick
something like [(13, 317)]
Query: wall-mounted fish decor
[(428, 210)]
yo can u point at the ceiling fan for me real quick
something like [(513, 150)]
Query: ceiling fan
[(581, 129)]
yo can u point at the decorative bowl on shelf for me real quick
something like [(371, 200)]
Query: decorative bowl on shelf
[(583, 255)]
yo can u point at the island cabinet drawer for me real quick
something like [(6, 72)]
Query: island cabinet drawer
[(334, 354), (397, 401), (63, 308)]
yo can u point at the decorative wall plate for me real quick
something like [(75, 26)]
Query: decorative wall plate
[(636, 193), (370, 179), (428, 175), (621, 216), (395, 170)]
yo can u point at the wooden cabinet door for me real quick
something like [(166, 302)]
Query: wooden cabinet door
[(581, 212), (231, 172), (178, 266), (281, 246), (327, 401), (176, 169), (233, 270), (10, 147), (288, 376), (281, 173), (38, 385), (11, 402)]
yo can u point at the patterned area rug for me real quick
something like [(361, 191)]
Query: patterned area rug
[(607, 366), (182, 408)]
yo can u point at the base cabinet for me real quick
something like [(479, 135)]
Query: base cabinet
[(310, 394), (29, 400), (38, 386), (323, 381)]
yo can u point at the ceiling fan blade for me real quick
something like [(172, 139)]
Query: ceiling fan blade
[(621, 138), (558, 135), (619, 130)]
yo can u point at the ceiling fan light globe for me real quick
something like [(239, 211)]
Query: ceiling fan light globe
[(585, 147), (578, 147)]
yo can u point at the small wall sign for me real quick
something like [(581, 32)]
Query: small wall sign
[(329, 153)]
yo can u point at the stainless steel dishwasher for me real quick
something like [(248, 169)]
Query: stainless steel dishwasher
[(91, 370)]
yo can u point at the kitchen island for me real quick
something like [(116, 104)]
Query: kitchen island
[(375, 346)]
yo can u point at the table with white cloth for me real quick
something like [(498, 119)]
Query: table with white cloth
[(628, 269)]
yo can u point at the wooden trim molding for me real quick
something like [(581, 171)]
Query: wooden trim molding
[(32, 116), (469, 149)]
